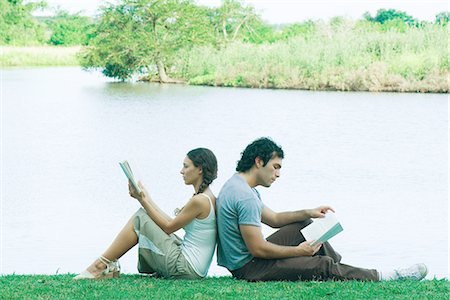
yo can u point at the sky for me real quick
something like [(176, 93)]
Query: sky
[(289, 11)]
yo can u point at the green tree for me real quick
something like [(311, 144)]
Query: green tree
[(443, 18), (385, 15), (17, 25), (234, 21), (304, 29), (144, 36), (70, 29)]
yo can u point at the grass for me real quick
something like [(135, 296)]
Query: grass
[(38, 56), (141, 287), (344, 58)]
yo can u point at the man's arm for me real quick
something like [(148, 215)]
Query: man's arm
[(277, 220), (259, 247)]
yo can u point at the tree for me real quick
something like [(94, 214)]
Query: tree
[(304, 29), (17, 25), (385, 15), (143, 35), (443, 18), (67, 29), (235, 21)]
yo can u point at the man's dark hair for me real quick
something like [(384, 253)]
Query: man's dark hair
[(263, 148)]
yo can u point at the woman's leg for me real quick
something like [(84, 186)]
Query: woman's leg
[(124, 241)]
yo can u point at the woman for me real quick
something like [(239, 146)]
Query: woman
[(161, 251)]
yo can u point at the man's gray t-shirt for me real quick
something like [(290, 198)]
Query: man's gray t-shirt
[(237, 204)]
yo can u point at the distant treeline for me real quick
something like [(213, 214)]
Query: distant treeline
[(230, 45), (18, 27)]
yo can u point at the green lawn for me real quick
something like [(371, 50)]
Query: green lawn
[(140, 287)]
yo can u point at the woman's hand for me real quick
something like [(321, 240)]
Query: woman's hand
[(135, 194), (319, 212)]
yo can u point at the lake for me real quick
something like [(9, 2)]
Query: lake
[(379, 159)]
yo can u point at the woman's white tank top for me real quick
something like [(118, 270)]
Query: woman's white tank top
[(199, 241)]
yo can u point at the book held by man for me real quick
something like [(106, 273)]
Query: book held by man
[(127, 170), (322, 229)]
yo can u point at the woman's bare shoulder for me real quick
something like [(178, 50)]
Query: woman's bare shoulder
[(202, 197)]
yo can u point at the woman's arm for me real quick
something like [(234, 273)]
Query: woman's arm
[(190, 211), (150, 205)]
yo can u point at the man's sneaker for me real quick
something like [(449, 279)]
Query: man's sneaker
[(415, 272)]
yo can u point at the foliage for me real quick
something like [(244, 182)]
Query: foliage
[(305, 29), (233, 21), (347, 56), (17, 26), (136, 35), (232, 46), (443, 18), (386, 15), (70, 29)]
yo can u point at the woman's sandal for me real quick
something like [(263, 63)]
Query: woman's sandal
[(112, 270)]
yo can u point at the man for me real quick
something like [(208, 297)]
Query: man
[(285, 255)]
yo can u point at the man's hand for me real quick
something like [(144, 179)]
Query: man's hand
[(319, 212), (306, 249)]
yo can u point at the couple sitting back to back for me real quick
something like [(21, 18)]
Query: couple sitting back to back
[(241, 247)]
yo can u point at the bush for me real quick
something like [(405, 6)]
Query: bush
[(68, 30)]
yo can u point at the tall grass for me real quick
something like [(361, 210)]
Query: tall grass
[(11, 56), (347, 57)]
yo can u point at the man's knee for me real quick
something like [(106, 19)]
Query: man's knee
[(303, 224), (297, 225)]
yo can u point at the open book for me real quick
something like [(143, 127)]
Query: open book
[(127, 170), (322, 229)]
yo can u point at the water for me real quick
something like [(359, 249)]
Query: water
[(380, 159)]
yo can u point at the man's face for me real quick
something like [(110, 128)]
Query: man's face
[(270, 172)]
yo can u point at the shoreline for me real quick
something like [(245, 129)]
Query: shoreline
[(13, 57)]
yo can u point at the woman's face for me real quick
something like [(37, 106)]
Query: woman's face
[(191, 174)]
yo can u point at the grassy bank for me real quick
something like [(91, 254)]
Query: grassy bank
[(138, 287), (348, 57), (38, 56)]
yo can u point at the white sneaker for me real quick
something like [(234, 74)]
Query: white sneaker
[(415, 272)]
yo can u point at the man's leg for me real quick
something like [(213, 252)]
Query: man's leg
[(290, 235), (324, 265), (302, 268)]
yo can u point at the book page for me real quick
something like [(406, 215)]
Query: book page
[(322, 229), (129, 173)]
